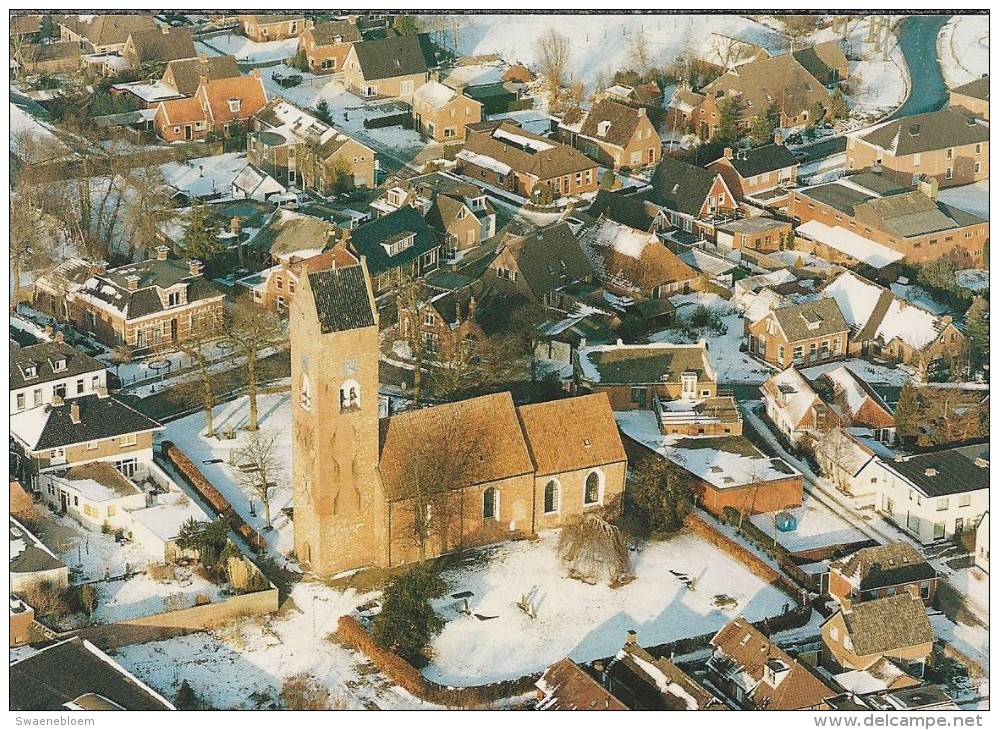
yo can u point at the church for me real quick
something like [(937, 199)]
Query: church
[(382, 491)]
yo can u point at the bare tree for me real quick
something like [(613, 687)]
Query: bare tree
[(259, 467), (411, 298), (33, 235), (304, 692), (148, 205), (205, 332), (252, 329), (640, 56), (552, 52), (593, 550)]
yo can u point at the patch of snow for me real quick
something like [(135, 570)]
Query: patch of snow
[(818, 527), (850, 243), (205, 177), (866, 371), (973, 198), (963, 49), (974, 279), (247, 51)]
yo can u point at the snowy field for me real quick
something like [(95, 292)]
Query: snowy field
[(732, 366), (973, 198), (974, 279), (31, 138), (274, 415), (246, 51), (818, 527), (963, 49), (581, 621)]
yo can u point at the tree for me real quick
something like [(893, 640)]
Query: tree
[(552, 54), (323, 113), (837, 109), (798, 27), (816, 112), (411, 297), (341, 175), (304, 692), (525, 323), (639, 54), (252, 329), (405, 25), (761, 132), (907, 414), (662, 494), (88, 597), (148, 205), (977, 323), (47, 599), (33, 235), (593, 550), (299, 61), (259, 467), (208, 539), (728, 131), (206, 330), (200, 240), (407, 622), (186, 698), (608, 180)]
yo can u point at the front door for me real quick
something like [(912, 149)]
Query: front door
[(188, 132), (63, 500), (173, 329)]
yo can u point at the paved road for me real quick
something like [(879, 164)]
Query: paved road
[(918, 42)]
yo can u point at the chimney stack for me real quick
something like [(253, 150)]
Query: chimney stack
[(100, 266), (74, 412), (203, 57), (598, 666), (235, 225), (161, 253), (632, 639), (132, 282), (194, 266), (59, 337), (728, 153)]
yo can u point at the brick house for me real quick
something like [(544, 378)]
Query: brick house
[(104, 33), (41, 373), (503, 155), (882, 571), (756, 674), (326, 45), (179, 120), (824, 61), (694, 199), (440, 113), (50, 58), (147, 305), (758, 234), (390, 67), (913, 223), (185, 75), (946, 146), (446, 321), (676, 382), (972, 98), (263, 28), (614, 134), (860, 634), (759, 170), (159, 45), (801, 334), (793, 407), (397, 246), (565, 685), (464, 222), (856, 404), (22, 616), (222, 106)]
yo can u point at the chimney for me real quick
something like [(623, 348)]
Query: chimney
[(632, 639), (194, 266), (471, 307), (728, 153), (166, 30), (235, 225), (132, 282), (59, 337), (102, 392), (598, 666), (898, 458), (100, 266), (930, 471), (49, 329), (74, 412), (161, 253), (57, 400)]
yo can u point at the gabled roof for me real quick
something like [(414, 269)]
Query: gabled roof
[(107, 29), (75, 673), (525, 152), (623, 121), (646, 683), (978, 89), (681, 187), (941, 473), (367, 240), (632, 212), (51, 427), (780, 81), (342, 299), (566, 686), (911, 214), (633, 259), (644, 364), (26, 24), (810, 320), (885, 565), (791, 392), (162, 44), (28, 554), (44, 357), (336, 31), (288, 232), (821, 59), (402, 55), (593, 441), (435, 94), (51, 52), (926, 132), (756, 161), (550, 258), (183, 111), (216, 94), (888, 624), (187, 72), (863, 404)]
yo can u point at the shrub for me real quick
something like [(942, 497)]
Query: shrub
[(594, 551), (407, 622), (160, 572), (303, 692)]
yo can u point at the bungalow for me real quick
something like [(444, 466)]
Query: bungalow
[(94, 494), (398, 246), (880, 572), (801, 334), (748, 173), (263, 28), (31, 562), (695, 200), (756, 234), (159, 45), (41, 373), (326, 45), (50, 58), (390, 67), (896, 628), (972, 98), (614, 134), (440, 113)]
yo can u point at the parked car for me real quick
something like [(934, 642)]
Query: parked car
[(286, 81)]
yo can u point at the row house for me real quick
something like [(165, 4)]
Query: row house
[(882, 571), (146, 306), (42, 373), (913, 223), (223, 107), (440, 114), (972, 98), (757, 234), (759, 175), (510, 158), (801, 334), (264, 28), (946, 146), (614, 134), (446, 323), (325, 45), (390, 67), (695, 200)]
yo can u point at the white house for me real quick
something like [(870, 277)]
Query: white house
[(982, 543), (843, 452), (39, 373), (93, 494), (157, 528), (31, 562), (792, 405), (932, 496)]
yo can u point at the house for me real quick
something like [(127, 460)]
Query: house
[(104, 33), (982, 543), (801, 334), (464, 223), (440, 113), (896, 627), (677, 382), (824, 61), (288, 235), (633, 262), (231, 103), (390, 67), (275, 288), (539, 265), (183, 119), (26, 27), (158, 45), (614, 134), (296, 148), (794, 408), (528, 165), (843, 452), (82, 430), (711, 267), (933, 496), (31, 562), (913, 223), (264, 28), (972, 98), (627, 210), (880, 572), (755, 234), (50, 58), (149, 304), (446, 321), (882, 676), (756, 674), (856, 404), (94, 494), (504, 97), (748, 173), (887, 328), (843, 246), (185, 75), (946, 146), (582, 326), (325, 45), (397, 246), (75, 675), (39, 374), (567, 686), (694, 199)]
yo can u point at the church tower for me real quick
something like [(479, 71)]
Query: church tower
[(339, 505)]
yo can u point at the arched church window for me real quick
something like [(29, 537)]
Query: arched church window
[(551, 497), (350, 396), (490, 504)]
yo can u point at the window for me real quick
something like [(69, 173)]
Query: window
[(20, 401), (291, 287), (306, 399), (429, 319), (834, 633), (490, 504), (234, 105), (112, 510), (949, 175), (173, 299), (964, 500), (92, 445), (799, 354), (79, 387), (939, 531), (942, 504), (950, 153), (278, 282), (812, 349), (328, 63), (127, 440), (847, 644), (350, 396), (76, 500), (280, 305), (978, 168), (592, 491), (551, 497), (95, 382), (449, 133), (37, 395), (780, 352), (639, 396)]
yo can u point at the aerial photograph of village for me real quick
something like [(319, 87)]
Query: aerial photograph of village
[(499, 361)]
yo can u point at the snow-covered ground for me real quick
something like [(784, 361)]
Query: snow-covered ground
[(204, 177), (818, 527), (973, 198), (31, 138), (974, 279), (583, 621), (274, 416), (867, 371), (247, 51), (732, 366), (141, 595), (963, 49), (227, 666)]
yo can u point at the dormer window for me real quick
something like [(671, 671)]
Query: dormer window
[(477, 203), (30, 371), (59, 365), (234, 104), (399, 243), (173, 299), (603, 128)]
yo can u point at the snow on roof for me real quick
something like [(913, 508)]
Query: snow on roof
[(846, 382), (665, 685), (28, 425), (485, 162), (477, 74), (149, 91), (798, 395), (118, 63), (862, 249), (856, 298), (781, 276), (529, 143), (164, 520), (707, 262), (435, 94), (92, 490), (910, 324), (205, 176), (817, 527), (623, 239), (860, 682)]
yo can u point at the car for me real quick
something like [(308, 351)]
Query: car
[(287, 81)]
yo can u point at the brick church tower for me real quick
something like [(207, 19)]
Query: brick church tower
[(339, 504)]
